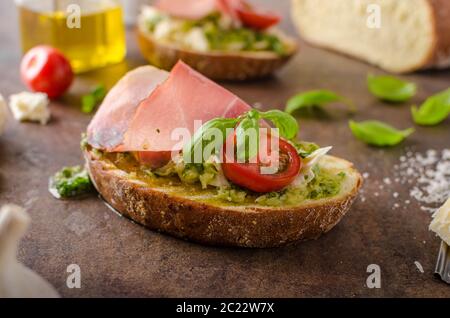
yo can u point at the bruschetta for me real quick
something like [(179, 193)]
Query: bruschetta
[(222, 39), (141, 153)]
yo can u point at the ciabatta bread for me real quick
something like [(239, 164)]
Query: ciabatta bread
[(413, 34), (171, 210)]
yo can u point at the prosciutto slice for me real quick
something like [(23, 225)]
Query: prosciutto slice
[(184, 98), (111, 121), (144, 110), (238, 10), (188, 9)]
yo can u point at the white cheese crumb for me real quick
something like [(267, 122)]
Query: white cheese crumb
[(387, 181), (3, 114), (196, 40), (441, 222), (30, 107), (419, 267), (365, 175), (164, 29), (395, 194)]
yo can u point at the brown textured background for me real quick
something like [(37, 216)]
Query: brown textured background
[(119, 258)]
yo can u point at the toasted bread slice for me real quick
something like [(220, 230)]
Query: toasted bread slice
[(172, 210), (216, 65)]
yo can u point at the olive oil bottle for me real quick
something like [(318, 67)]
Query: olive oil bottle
[(91, 34)]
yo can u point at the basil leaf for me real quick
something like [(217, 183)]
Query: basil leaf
[(99, 92), (377, 133), (287, 125), (193, 150), (91, 100), (390, 88), (88, 103), (434, 110), (315, 98), (245, 148)]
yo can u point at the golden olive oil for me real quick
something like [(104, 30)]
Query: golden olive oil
[(99, 40)]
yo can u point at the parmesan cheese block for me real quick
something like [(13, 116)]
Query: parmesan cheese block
[(441, 222), (397, 35)]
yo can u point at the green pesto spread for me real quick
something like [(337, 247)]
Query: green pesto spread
[(175, 177), (212, 33)]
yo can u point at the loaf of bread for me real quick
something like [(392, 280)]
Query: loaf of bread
[(411, 34)]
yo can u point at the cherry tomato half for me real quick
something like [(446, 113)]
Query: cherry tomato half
[(257, 20), (248, 175), (154, 159), (45, 69), (242, 10)]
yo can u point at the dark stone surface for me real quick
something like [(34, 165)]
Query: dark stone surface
[(119, 258)]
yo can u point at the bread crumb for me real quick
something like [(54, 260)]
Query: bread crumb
[(419, 267)]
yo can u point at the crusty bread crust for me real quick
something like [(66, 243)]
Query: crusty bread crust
[(440, 55), (249, 226), (236, 66)]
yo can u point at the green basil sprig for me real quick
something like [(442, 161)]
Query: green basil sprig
[(377, 133), (391, 89), (317, 98), (434, 110), (91, 100), (212, 135)]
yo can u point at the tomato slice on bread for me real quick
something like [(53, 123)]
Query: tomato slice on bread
[(249, 175), (153, 159), (249, 16), (257, 20)]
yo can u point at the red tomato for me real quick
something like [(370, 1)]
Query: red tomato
[(154, 159), (243, 11), (257, 20), (45, 69), (248, 175)]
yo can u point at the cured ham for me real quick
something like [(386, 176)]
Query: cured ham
[(109, 124), (184, 98), (144, 110), (188, 9), (239, 10)]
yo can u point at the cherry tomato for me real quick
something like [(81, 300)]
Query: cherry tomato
[(248, 175), (257, 20), (45, 69), (245, 12), (154, 159)]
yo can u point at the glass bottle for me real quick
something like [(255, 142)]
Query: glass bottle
[(91, 33)]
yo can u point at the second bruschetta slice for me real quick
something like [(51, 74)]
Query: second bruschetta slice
[(223, 39)]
